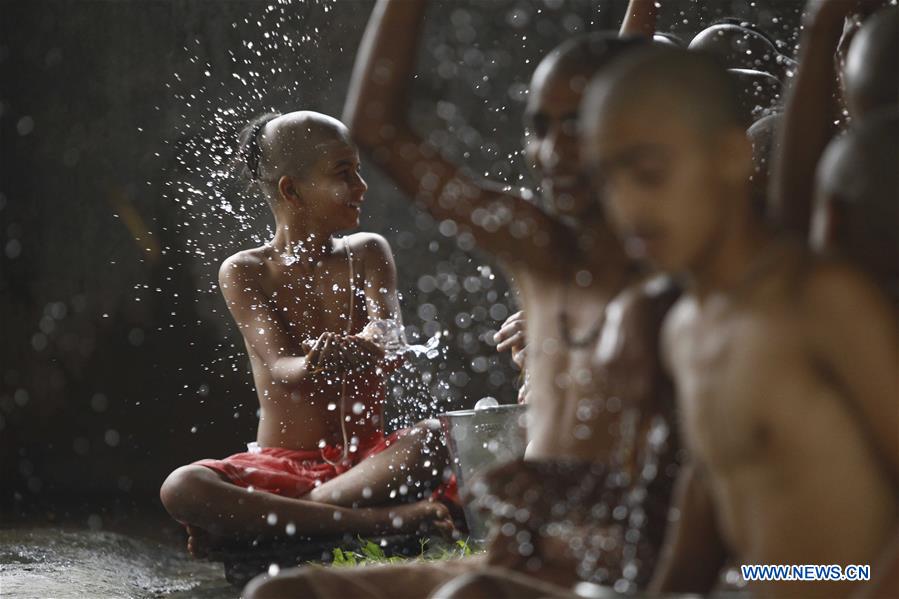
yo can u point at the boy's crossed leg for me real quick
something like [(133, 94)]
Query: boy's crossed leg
[(215, 510), (410, 468)]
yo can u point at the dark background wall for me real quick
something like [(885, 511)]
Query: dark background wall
[(118, 201)]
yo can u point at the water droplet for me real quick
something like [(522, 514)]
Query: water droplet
[(485, 403)]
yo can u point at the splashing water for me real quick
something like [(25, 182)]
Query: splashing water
[(389, 335)]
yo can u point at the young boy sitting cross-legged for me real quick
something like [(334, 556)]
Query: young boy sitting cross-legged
[(323, 466)]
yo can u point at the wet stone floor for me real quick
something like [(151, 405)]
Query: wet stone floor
[(61, 563)]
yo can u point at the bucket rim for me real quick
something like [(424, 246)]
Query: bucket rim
[(490, 410)]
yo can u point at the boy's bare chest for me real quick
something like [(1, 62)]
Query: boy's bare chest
[(562, 331), (563, 328), (743, 381), (311, 303)]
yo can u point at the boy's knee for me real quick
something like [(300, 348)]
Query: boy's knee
[(288, 584), (179, 489), (430, 426), (429, 432)]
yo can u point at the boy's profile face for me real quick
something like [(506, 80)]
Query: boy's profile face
[(659, 183), (551, 147), (332, 189)]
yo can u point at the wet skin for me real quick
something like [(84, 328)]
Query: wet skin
[(782, 362), (279, 302), (291, 302)]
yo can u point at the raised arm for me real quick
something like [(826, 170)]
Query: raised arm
[(811, 111), (501, 222), (260, 326), (640, 18)]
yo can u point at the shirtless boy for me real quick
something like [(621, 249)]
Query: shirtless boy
[(856, 210), (324, 466), (784, 364), (867, 79), (565, 263), (750, 55), (852, 196)]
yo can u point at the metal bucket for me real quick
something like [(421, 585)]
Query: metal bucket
[(478, 440)]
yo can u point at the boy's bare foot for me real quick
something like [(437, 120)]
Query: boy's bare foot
[(423, 516), (200, 542)]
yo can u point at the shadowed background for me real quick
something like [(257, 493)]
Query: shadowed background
[(118, 202)]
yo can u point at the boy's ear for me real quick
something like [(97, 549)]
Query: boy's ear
[(287, 189), (736, 156)]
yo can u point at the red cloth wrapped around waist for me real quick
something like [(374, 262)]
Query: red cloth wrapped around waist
[(295, 472)]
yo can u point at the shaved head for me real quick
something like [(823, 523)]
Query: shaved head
[(582, 55), (863, 165), (739, 46), (291, 143), (274, 145), (668, 79), (302, 161), (872, 64), (551, 117), (858, 191), (665, 142), (668, 39)]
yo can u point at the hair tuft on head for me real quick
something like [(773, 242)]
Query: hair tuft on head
[(249, 149)]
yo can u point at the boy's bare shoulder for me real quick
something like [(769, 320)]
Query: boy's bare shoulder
[(834, 289), (246, 264), (369, 245)]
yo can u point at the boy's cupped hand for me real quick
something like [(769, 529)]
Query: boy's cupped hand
[(336, 352)]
